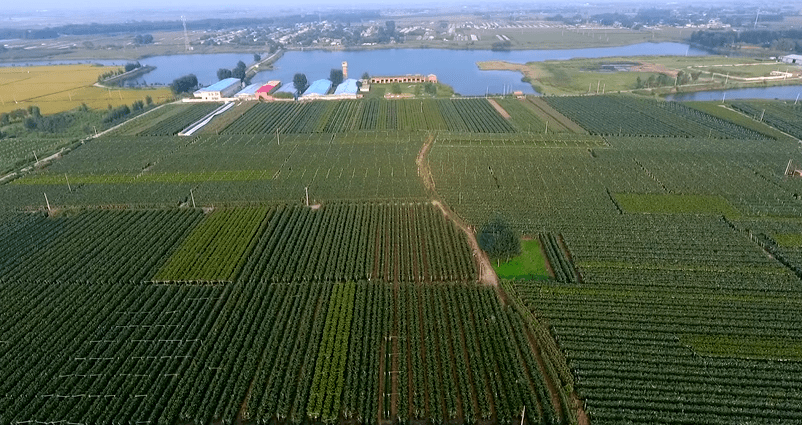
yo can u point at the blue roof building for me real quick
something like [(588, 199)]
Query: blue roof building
[(318, 88), (249, 91), (221, 89), (287, 88), (347, 87)]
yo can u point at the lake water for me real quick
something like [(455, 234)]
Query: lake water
[(205, 67), (456, 68), (777, 92)]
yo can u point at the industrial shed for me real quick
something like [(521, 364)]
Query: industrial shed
[(347, 88), (286, 88), (792, 59), (219, 90), (318, 88), (248, 93), (266, 91)]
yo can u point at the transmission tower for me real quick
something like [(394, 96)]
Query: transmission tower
[(186, 36)]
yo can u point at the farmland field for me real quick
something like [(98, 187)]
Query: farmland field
[(460, 115), (53, 88), (318, 263), (780, 115)]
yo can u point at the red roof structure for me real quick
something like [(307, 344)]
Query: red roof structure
[(267, 88)]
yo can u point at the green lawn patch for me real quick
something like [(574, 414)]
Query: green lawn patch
[(216, 249), (530, 265), (744, 347), (789, 240), (675, 204)]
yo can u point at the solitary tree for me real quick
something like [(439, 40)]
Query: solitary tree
[(430, 88), (390, 25), (34, 111), (257, 57), (184, 84), (239, 71), (300, 83), (223, 73), (365, 76), (498, 239), (336, 76)]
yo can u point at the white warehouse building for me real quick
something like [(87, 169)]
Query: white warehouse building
[(219, 90), (792, 59)]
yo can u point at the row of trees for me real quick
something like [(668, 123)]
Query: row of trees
[(115, 114), (143, 39), (663, 80), (785, 40), (239, 71), (301, 83)]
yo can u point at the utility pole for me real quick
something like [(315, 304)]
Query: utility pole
[(68, 182), (761, 115), (278, 138), (35, 157), (306, 190), (547, 127), (47, 202), (193, 198), (797, 98), (523, 415), (186, 36)]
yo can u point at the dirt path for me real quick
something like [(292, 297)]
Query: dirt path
[(499, 109), (423, 165), (487, 275)]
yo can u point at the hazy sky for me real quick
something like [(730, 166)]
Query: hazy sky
[(204, 4), (262, 4)]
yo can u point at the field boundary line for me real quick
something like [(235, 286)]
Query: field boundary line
[(487, 275)]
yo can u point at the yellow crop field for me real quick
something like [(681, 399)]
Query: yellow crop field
[(60, 88)]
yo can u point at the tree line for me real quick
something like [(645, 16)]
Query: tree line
[(785, 40), (664, 80)]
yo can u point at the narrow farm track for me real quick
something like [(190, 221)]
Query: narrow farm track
[(487, 275)]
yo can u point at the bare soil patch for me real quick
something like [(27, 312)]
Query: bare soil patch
[(499, 109), (547, 113), (656, 68)]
